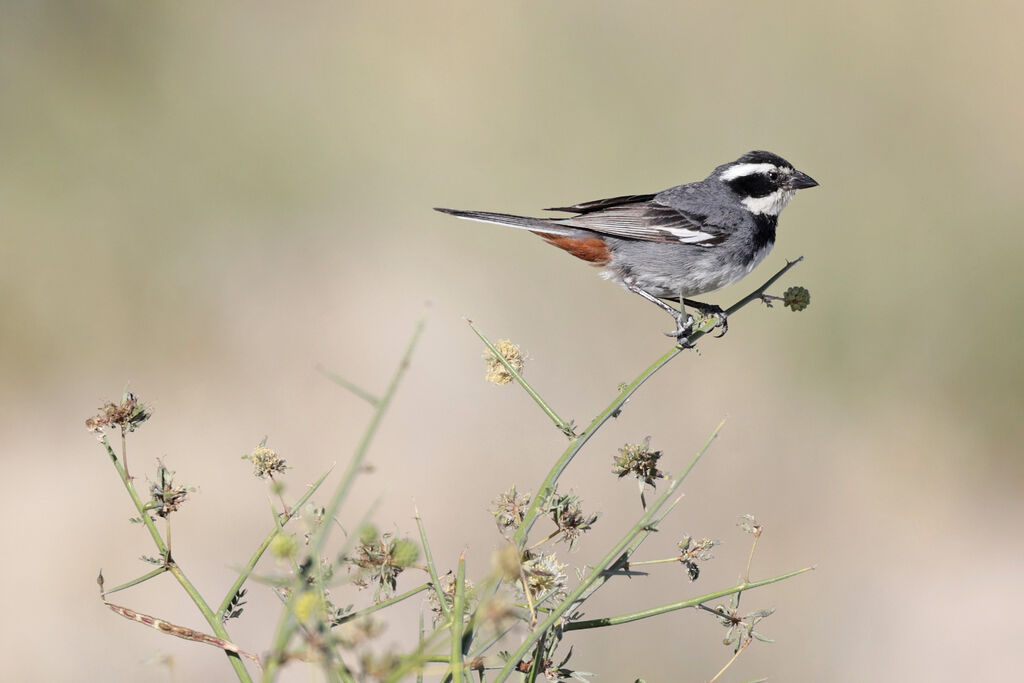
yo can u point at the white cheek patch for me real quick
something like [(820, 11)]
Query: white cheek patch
[(740, 170), (771, 205)]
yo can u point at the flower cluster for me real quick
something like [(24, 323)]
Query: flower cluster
[(128, 415), (265, 461), (640, 461), (497, 373), (165, 497), (509, 508), (567, 514), (381, 559), (691, 551)]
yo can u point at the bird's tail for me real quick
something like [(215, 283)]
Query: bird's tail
[(521, 222)]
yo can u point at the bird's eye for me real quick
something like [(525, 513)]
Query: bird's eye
[(773, 175)]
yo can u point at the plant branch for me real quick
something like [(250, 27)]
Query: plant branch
[(692, 602), (563, 426)]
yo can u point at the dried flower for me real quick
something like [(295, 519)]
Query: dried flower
[(265, 461), (165, 497), (497, 373), (129, 414), (567, 514), (509, 508), (545, 575), (740, 628), (640, 461), (750, 525), (690, 552), (448, 591), (381, 560)]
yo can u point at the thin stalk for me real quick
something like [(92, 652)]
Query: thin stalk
[(419, 672), (692, 602), (735, 656), (386, 603), (135, 582), (431, 567), (563, 426), (458, 622), (750, 558), (664, 560), (345, 384)]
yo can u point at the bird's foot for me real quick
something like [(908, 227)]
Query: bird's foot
[(722, 323), (684, 325), (709, 310)]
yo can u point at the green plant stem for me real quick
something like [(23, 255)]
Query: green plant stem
[(692, 602), (384, 604), (134, 495), (577, 443), (345, 384), (563, 426), (286, 626), (458, 622), (435, 579), (169, 565), (419, 672), (250, 566), (613, 558), (135, 582), (664, 560)]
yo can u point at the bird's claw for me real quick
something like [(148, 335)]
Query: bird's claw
[(723, 322), (682, 332)]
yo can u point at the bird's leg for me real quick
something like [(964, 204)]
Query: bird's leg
[(710, 309), (684, 321)]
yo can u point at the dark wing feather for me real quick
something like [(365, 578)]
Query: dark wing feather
[(646, 220), (598, 204)]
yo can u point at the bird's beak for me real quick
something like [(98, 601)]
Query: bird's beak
[(800, 181)]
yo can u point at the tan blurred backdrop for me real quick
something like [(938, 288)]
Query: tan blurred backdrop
[(207, 201)]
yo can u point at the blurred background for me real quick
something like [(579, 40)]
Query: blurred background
[(208, 200)]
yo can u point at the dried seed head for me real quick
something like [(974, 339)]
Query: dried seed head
[(165, 496), (640, 461), (129, 414), (545, 575), (566, 511), (509, 508), (497, 373), (265, 461)]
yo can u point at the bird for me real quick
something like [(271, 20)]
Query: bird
[(681, 242)]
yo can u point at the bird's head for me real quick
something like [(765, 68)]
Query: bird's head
[(764, 182)]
